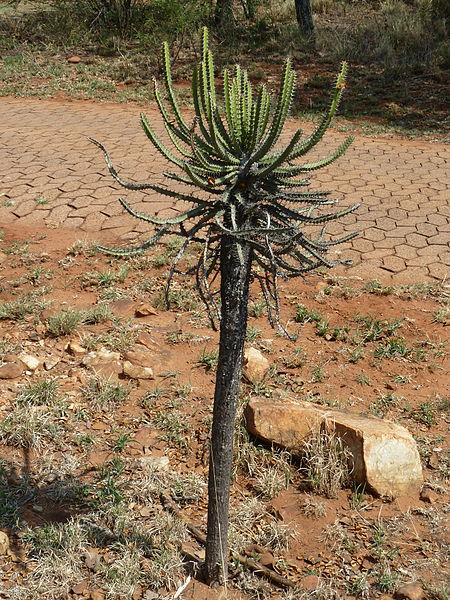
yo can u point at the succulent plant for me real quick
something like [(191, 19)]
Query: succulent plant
[(249, 207)]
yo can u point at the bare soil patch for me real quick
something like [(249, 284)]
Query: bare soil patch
[(80, 482)]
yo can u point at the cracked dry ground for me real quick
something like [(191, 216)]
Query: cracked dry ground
[(86, 451)]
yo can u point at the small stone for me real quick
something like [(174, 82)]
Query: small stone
[(310, 582), (150, 595), (410, 591), (93, 560), (74, 60), (433, 461), (137, 594), (93, 359), (145, 310), (11, 370), (75, 348), (97, 595), (267, 560), (137, 372), (31, 362), (38, 508), (51, 362), (427, 495), (123, 306), (146, 511), (81, 588), (142, 358), (256, 365), (4, 543), (146, 437)]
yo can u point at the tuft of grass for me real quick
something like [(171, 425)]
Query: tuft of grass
[(305, 315), (43, 392), (208, 359), (104, 395), (28, 426), (64, 323), (326, 463), (17, 310)]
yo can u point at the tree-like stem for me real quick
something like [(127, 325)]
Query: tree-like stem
[(235, 280)]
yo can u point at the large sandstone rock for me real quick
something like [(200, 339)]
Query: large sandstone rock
[(385, 454)]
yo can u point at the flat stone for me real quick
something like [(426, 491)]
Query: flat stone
[(145, 310), (4, 543), (93, 359), (136, 371), (11, 370), (385, 455), (31, 362), (142, 358), (410, 591)]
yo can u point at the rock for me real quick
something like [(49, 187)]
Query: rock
[(150, 595), (51, 362), (93, 560), (410, 591), (75, 348), (256, 365), (310, 583), (4, 543), (97, 595), (93, 359), (137, 372), (11, 370), (267, 560), (145, 310), (142, 358), (74, 60), (427, 495), (81, 587), (31, 362), (385, 454), (146, 340), (123, 306), (145, 437)]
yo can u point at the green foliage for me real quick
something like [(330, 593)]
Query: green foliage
[(253, 194)]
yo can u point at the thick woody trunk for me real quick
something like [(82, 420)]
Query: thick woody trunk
[(223, 15), (304, 16), (235, 278)]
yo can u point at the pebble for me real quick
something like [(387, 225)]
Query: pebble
[(11, 370), (4, 543), (410, 591), (31, 362), (137, 372)]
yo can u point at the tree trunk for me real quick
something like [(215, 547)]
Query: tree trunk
[(304, 16), (235, 279), (223, 15)]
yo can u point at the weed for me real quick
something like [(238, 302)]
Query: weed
[(174, 425), (425, 413), (253, 333), (121, 337), (65, 322), (326, 463), (256, 309), (355, 354), (384, 404), (401, 379), (43, 392), (269, 482), (304, 315), (296, 359), (120, 443), (101, 313), (393, 348), (28, 426), (442, 316), (318, 374), (179, 298), (363, 379), (17, 310), (83, 248), (208, 359), (104, 278), (313, 508), (85, 441), (104, 395)]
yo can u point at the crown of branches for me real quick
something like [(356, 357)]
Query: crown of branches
[(252, 191)]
